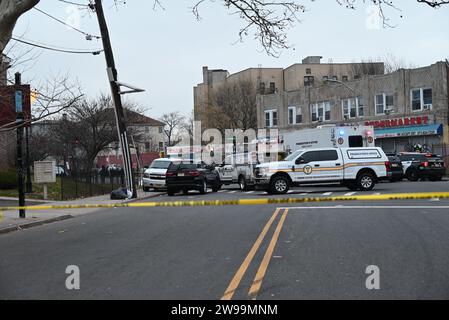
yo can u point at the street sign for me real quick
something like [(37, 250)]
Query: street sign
[(19, 101), (44, 172)]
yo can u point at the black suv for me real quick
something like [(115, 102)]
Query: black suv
[(395, 171), (422, 166), (187, 176)]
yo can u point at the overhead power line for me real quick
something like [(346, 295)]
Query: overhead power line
[(88, 35), (56, 49)]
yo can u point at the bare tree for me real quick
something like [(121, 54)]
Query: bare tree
[(173, 123), (10, 11), (233, 106), (267, 21)]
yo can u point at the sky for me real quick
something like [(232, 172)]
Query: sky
[(163, 50)]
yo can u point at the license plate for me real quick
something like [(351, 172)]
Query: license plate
[(181, 174), (394, 165), (437, 165)]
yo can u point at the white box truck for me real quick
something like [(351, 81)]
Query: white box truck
[(329, 136)]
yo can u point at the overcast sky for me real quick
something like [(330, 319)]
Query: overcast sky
[(164, 51)]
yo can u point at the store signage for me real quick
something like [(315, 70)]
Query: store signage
[(400, 122)]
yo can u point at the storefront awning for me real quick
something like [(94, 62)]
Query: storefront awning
[(411, 131)]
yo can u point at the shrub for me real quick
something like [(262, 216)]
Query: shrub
[(8, 180)]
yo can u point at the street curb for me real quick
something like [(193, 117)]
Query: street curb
[(34, 224), (61, 218)]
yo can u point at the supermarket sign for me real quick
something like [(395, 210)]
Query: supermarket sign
[(400, 122)]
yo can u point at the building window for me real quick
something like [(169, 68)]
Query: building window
[(272, 87), (308, 71), (421, 99), (309, 81), (325, 78), (344, 78), (360, 106), (321, 111), (335, 78), (271, 118), (161, 146), (161, 129), (147, 129), (352, 108), (262, 88), (294, 115), (147, 147), (384, 103)]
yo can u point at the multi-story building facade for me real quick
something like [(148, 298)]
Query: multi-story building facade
[(408, 107), (269, 81)]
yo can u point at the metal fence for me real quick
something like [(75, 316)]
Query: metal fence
[(74, 185)]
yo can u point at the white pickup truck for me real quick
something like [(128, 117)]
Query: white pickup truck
[(355, 168), (238, 168)]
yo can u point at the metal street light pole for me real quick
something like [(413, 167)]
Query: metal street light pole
[(340, 82)]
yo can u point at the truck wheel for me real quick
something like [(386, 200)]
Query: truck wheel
[(279, 185), (242, 183), (412, 175), (366, 181)]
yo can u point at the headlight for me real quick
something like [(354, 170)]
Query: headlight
[(264, 171)]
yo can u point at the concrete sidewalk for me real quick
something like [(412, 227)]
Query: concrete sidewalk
[(12, 222)]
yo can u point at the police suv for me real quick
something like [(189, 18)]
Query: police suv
[(355, 168)]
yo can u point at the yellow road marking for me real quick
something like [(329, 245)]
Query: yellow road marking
[(242, 270), (243, 202), (255, 287)]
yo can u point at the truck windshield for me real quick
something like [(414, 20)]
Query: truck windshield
[(294, 155)]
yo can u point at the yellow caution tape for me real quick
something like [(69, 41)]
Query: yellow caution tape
[(240, 202)]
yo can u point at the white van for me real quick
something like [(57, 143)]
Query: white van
[(356, 168)]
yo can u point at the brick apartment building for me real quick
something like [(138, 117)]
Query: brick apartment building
[(273, 81), (407, 107)]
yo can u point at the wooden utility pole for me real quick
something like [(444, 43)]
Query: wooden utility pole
[(116, 98)]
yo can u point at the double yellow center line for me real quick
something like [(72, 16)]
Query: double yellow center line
[(257, 282)]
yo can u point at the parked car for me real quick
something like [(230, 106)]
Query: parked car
[(396, 171), (186, 176), (154, 176), (422, 166)]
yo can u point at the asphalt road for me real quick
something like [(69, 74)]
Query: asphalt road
[(310, 251)]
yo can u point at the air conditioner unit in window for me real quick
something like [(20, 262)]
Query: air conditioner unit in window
[(427, 107)]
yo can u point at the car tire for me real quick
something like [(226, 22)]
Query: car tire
[(366, 181), (203, 188), (216, 186), (412, 175), (242, 183), (279, 185)]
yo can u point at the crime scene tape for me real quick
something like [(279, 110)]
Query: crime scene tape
[(238, 202)]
